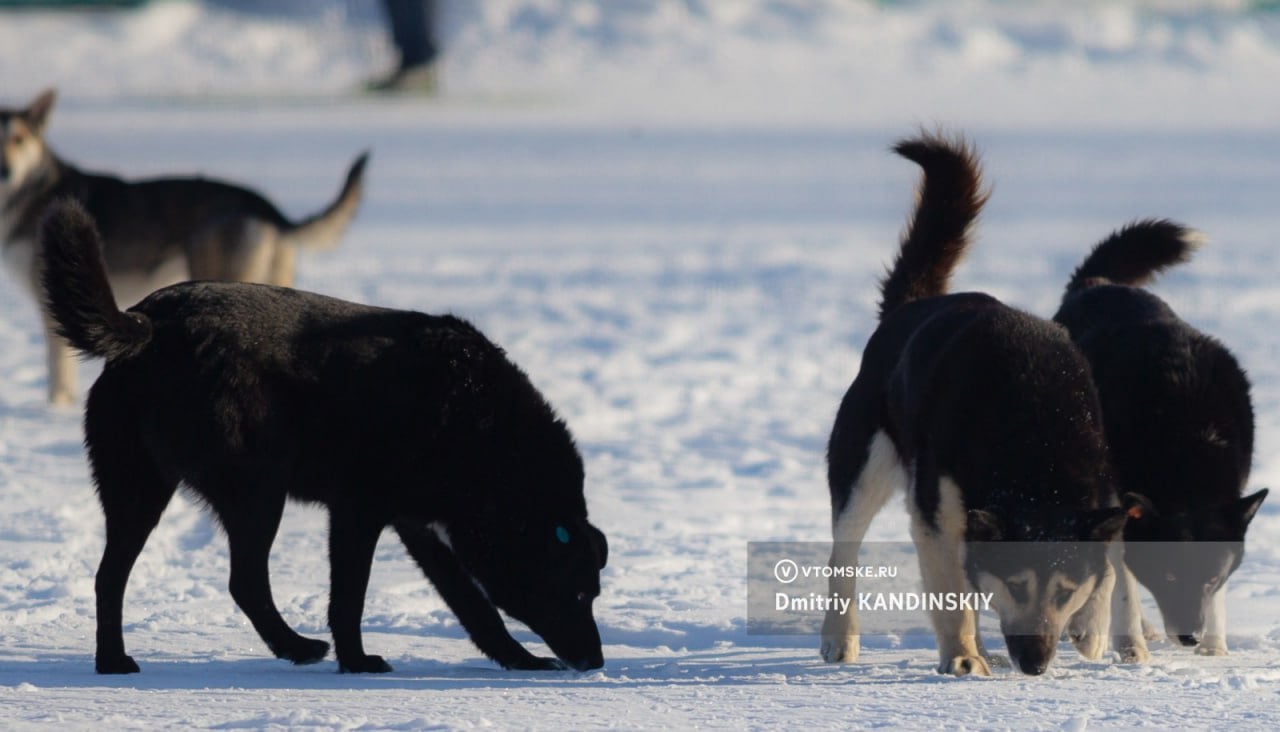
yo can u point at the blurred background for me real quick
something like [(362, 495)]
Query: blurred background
[(672, 214), (1009, 63)]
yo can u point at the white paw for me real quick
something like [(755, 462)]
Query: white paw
[(1089, 645), (842, 649), (1149, 631), (1216, 649), (62, 398), (965, 665), (1133, 652)]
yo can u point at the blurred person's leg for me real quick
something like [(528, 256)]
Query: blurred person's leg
[(412, 26)]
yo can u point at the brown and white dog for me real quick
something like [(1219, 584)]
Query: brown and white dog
[(987, 418)]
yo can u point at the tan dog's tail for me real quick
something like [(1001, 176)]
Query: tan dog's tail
[(77, 294), (323, 230)]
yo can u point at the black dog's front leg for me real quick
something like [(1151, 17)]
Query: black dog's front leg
[(352, 541), (478, 616)]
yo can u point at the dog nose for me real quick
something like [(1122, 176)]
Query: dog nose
[(1033, 669), (1032, 654), (1187, 640)]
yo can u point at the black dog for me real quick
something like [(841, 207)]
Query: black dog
[(987, 417), (251, 394), (1179, 421)]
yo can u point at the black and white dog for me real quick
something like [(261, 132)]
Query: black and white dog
[(248, 395), (155, 232), (1179, 422), (987, 417)]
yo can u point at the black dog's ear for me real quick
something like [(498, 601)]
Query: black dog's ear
[(1104, 524), (1249, 505), (1137, 506), (982, 526), (602, 545), (37, 113)]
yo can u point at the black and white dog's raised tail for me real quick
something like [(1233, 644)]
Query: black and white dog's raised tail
[(988, 419), (249, 395), (1135, 254), (950, 198), (1179, 421)]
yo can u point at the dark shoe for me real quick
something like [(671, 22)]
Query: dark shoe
[(409, 80)]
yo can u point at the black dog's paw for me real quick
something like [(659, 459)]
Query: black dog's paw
[(116, 665), (304, 651), (535, 663), (363, 665)]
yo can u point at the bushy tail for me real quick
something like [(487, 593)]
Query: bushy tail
[(948, 201), (323, 230), (1136, 253), (77, 294)]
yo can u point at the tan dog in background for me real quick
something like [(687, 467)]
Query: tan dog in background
[(155, 232)]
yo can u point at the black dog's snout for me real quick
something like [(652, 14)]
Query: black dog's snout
[(1035, 669), (1031, 653), (1187, 640)]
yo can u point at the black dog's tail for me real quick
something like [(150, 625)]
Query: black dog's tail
[(947, 203), (77, 294), (1135, 254)]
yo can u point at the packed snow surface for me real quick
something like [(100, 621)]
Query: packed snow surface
[(673, 216)]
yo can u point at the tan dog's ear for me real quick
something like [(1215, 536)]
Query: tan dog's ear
[(37, 113)]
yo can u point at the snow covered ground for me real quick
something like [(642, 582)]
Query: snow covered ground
[(673, 216)]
